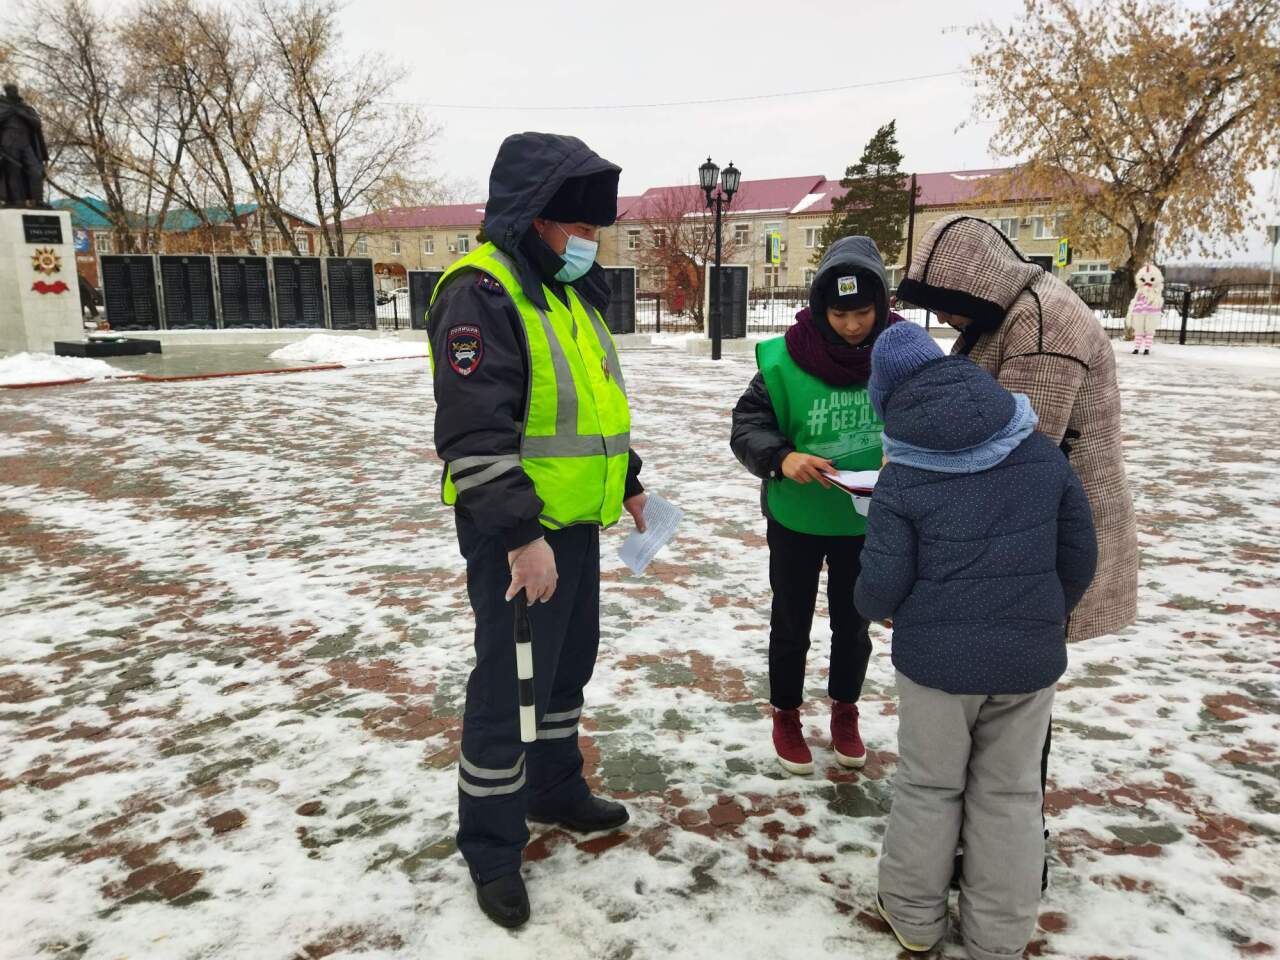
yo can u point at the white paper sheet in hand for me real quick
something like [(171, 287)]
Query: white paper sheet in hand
[(661, 518), (858, 484)]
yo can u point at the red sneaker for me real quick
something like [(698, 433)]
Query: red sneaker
[(845, 739), (788, 742)]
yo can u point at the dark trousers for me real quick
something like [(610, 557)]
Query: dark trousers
[(500, 779), (795, 563)]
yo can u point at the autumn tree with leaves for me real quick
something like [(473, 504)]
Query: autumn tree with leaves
[(1146, 115)]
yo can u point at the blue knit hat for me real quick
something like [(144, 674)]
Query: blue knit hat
[(900, 351)]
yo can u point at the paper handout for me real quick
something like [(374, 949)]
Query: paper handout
[(661, 518), (859, 484)]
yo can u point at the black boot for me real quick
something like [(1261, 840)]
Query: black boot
[(1135, 351), (1146, 353), (587, 816), (504, 901)]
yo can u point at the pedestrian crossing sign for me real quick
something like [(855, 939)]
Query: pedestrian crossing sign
[(1064, 252)]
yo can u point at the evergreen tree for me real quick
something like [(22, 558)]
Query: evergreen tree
[(876, 199)]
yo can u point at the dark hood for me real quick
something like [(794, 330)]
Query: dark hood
[(850, 254), (528, 171), (948, 404)]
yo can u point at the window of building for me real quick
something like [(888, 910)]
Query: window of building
[(657, 278), (659, 237), (303, 241), (633, 239), (772, 228), (429, 245), (1095, 272), (1045, 228), (811, 239), (102, 243), (1007, 225), (742, 233), (895, 277), (464, 243), (770, 276), (362, 245), (808, 277), (395, 248)]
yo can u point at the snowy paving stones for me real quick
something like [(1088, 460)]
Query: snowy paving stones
[(234, 640)]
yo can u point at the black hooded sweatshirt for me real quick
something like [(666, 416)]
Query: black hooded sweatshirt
[(481, 413)]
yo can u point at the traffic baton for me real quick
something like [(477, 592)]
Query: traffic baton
[(524, 670)]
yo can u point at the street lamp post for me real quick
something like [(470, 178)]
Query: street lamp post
[(729, 178)]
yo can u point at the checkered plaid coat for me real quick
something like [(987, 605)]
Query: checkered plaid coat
[(1037, 337)]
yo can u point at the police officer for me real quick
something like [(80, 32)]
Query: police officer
[(533, 425)]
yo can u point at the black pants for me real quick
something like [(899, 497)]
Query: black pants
[(795, 562), (500, 779)]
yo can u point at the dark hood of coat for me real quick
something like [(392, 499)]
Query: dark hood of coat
[(948, 404), (529, 169), (847, 255)]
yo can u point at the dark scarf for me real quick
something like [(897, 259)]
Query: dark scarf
[(834, 363)]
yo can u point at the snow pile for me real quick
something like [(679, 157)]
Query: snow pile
[(46, 368), (326, 348)]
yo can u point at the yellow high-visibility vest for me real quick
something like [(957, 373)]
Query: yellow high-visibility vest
[(577, 426)]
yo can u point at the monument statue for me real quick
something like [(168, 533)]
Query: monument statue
[(23, 152)]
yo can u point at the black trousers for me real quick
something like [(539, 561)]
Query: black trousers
[(795, 563), (500, 779)]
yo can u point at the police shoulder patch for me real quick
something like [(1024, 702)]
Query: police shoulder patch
[(486, 282), (465, 346)]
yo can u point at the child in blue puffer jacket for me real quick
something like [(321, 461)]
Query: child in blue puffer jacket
[(980, 542)]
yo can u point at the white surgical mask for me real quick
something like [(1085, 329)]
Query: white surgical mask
[(579, 255)]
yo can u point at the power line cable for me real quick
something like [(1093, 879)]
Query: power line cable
[(681, 103)]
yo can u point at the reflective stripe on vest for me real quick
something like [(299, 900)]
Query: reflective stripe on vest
[(577, 427)]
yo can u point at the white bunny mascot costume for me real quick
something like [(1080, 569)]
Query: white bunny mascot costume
[(1146, 308)]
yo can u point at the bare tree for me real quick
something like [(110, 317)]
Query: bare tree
[(354, 142), (678, 238)]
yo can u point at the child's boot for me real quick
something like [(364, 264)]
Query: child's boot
[(788, 742), (846, 741)]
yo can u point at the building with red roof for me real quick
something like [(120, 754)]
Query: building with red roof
[(796, 208)]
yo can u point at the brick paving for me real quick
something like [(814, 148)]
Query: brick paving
[(234, 637)]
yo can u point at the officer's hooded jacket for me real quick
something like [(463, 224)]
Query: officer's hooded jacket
[(480, 413)]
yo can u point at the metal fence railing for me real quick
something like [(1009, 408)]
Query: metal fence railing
[(394, 314), (1223, 313), (1219, 313)]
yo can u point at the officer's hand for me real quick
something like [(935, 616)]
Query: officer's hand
[(805, 468), (533, 570), (635, 507)]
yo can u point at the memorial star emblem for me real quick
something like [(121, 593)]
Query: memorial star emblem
[(46, 260)]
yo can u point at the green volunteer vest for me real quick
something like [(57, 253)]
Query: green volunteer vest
[(577, 427), (837, 423)]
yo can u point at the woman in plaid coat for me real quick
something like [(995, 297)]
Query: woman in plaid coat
[(1028, 330)]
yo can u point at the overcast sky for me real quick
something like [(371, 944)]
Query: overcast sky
[(520, 58)]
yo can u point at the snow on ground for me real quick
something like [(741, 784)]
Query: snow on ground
[(326, 348), (47, 368), (235, 640)]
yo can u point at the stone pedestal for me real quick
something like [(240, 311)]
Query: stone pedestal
[(39, 295)]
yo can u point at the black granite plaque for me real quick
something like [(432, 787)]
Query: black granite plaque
[(351, 303), (41, 228), (421, 285), (244, 291), (186, 283), (299, 291), (129, 291), (620, 317)]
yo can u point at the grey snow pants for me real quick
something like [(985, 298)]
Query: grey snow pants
[(968, 775)]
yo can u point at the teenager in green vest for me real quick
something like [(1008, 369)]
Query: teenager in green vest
[(806, 414)]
